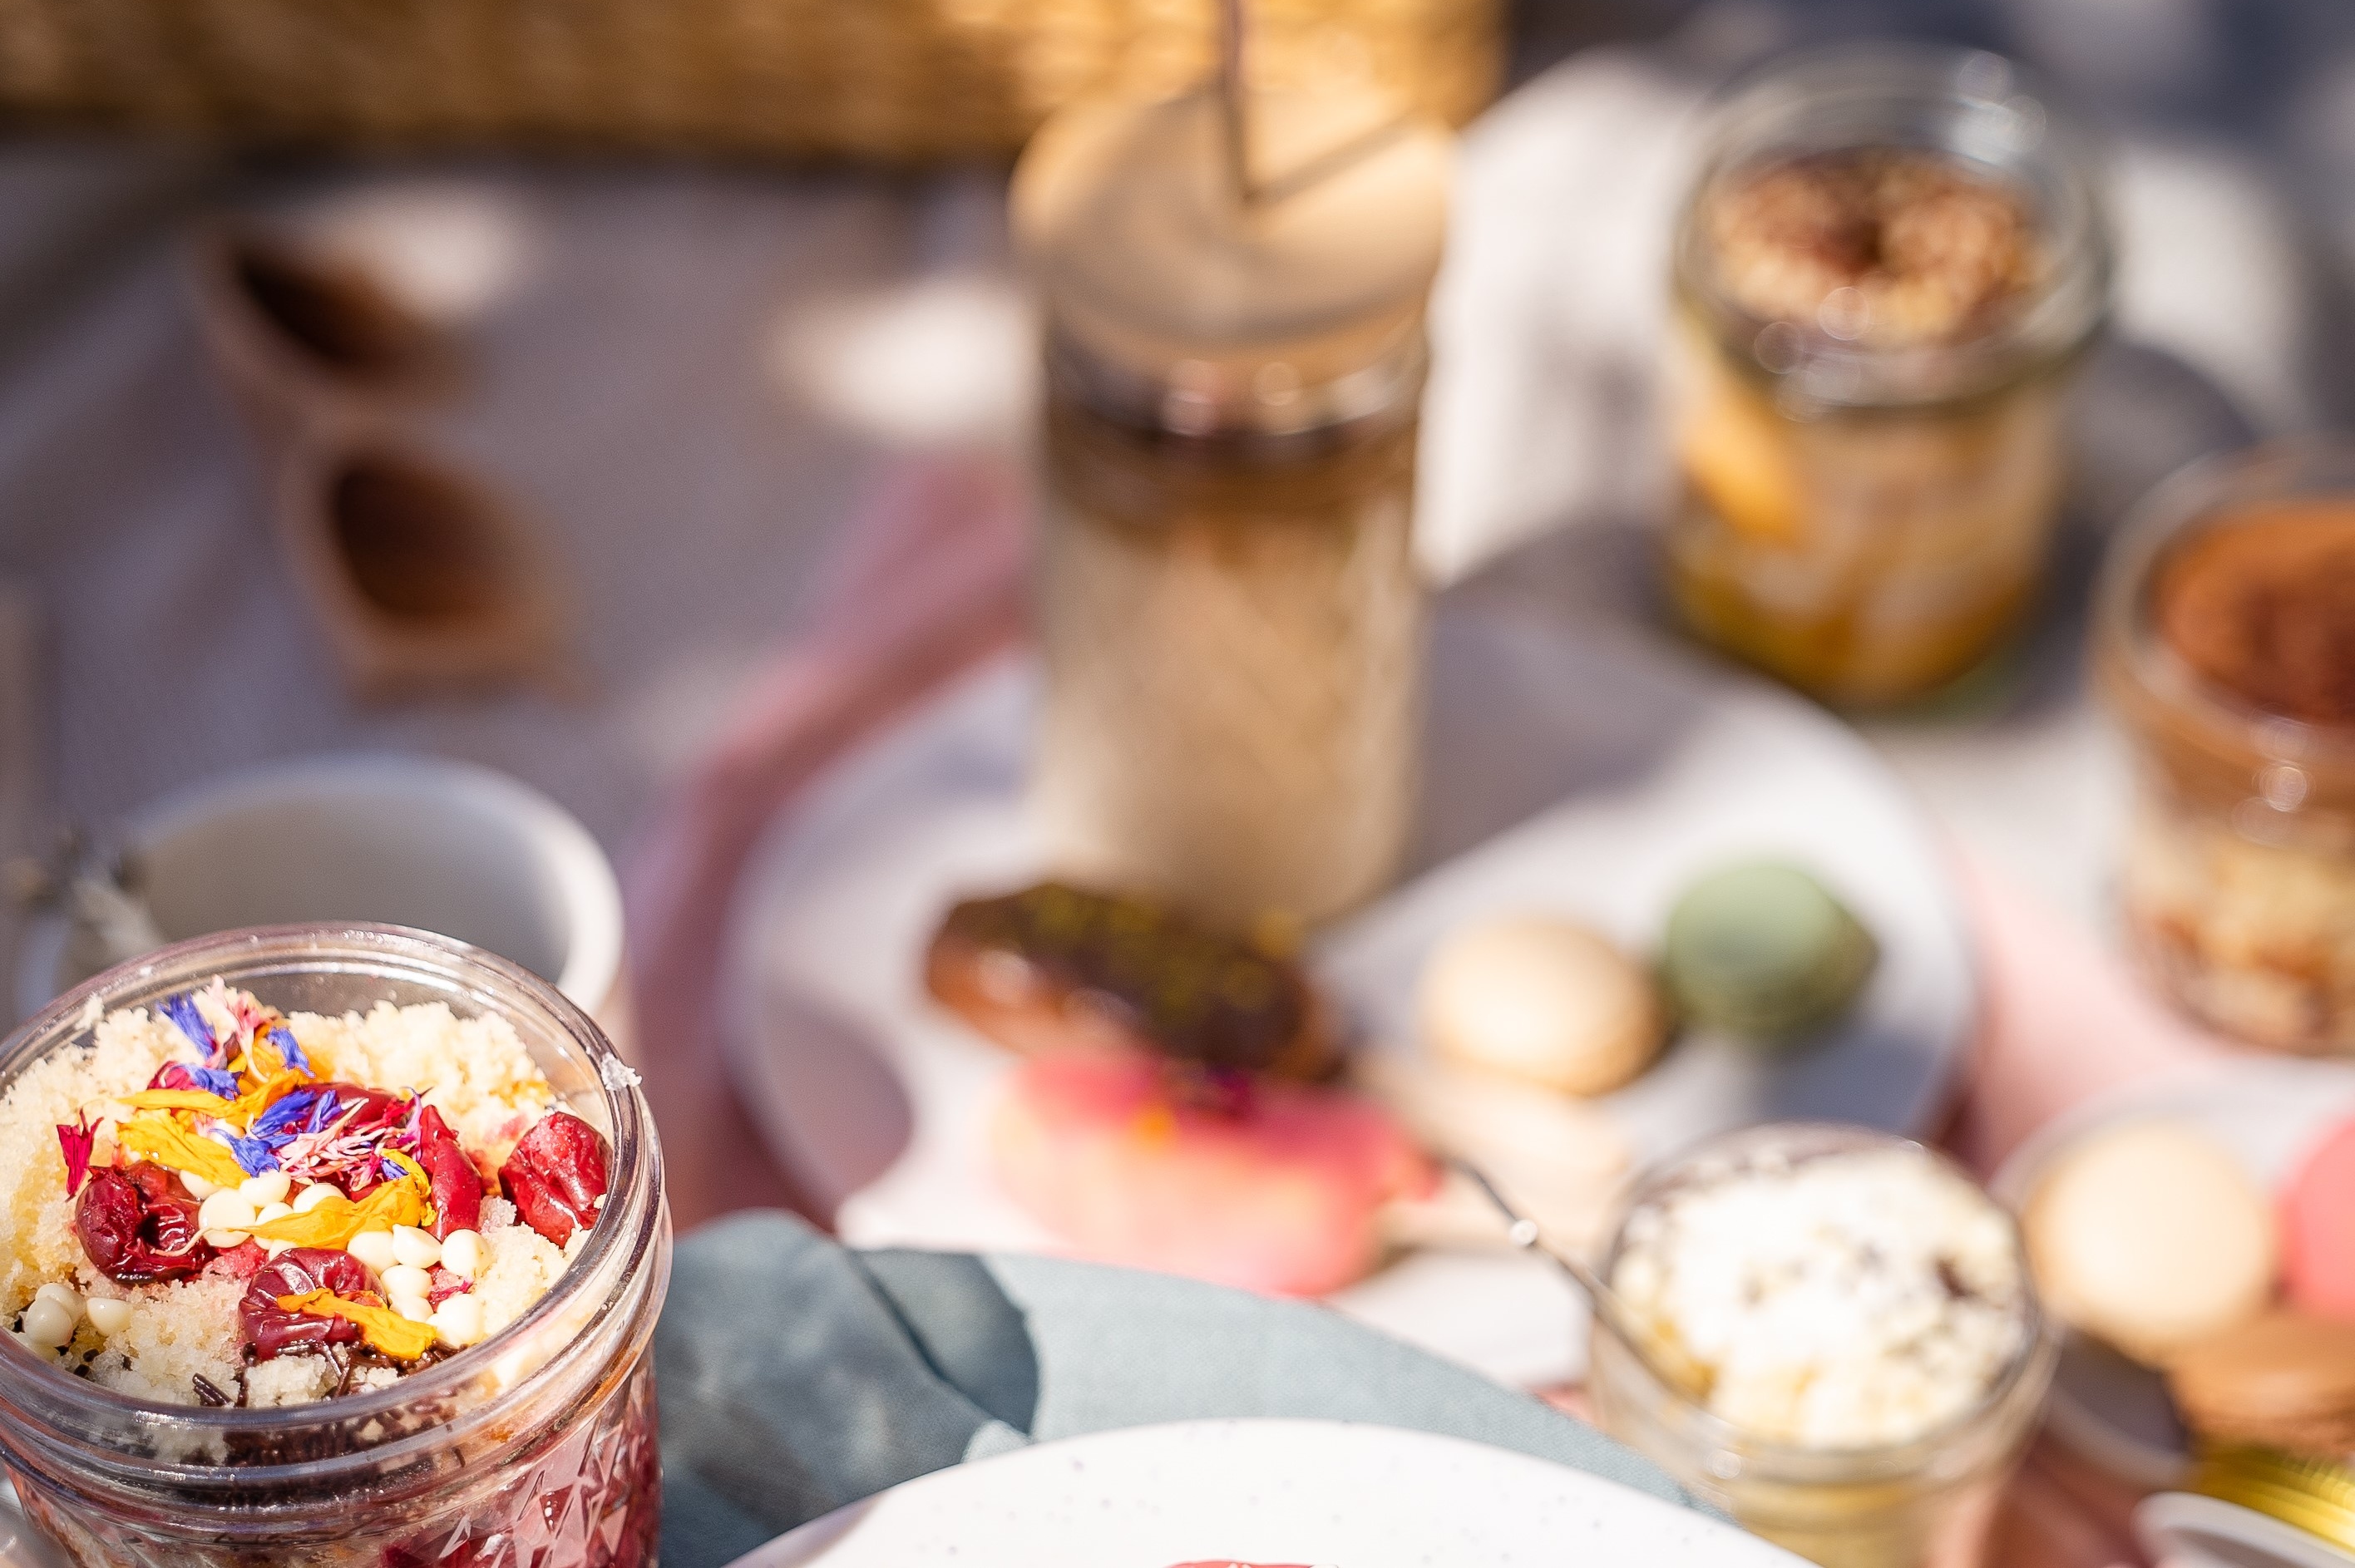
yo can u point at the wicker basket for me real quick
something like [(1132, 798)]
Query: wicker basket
[(903, 80)]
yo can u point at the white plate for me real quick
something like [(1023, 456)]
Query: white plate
[(1264, 1492), (2269, 1112), (1589, 774)]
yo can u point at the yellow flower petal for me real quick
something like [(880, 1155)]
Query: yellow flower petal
[(335, 1219), (260, 1098), (381, 1327), (178, 1100), (156, 1134)]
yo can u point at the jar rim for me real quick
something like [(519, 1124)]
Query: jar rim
[(1815, 1140), (2204, 494), (631, 1223), (1972, 104)]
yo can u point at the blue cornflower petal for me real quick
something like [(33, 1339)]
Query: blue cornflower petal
[(181, 1011), (253, 1155), (213, 1080), (288, 1051), (285, 1119), (323, 1112)]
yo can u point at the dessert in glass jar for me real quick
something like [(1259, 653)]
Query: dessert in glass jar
[(1887, 266), (2226, 648), (1229, 611), (1833, 1336), (305, 1217)]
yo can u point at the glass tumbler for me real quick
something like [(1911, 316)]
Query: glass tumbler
[(1877, 1507), (536, 1447), (2238, 882), (1868, 519)]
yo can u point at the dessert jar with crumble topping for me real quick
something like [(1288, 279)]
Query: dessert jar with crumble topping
[(239, 1379), (1830, 1333), (2225, 645), (1886, 267)]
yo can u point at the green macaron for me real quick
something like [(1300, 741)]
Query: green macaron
[(1765, 952)]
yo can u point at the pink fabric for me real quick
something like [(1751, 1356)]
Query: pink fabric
[(931, 583)]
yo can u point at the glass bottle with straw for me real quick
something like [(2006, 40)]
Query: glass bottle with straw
[(1233, 285)]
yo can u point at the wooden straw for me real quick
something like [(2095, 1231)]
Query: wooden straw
[(1233, 100)]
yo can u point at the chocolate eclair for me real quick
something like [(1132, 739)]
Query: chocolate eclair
[(1055, 965)]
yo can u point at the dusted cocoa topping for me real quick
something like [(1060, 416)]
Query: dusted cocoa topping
[(2264, 605), (1888, 246)]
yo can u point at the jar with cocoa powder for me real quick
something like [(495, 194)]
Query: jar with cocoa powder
[(2226, 647), (1888, 264)]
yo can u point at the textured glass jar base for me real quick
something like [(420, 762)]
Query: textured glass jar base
[(1864, 1520), (1866, 556), (589, 1498), (2252, 939), (1232, 637)]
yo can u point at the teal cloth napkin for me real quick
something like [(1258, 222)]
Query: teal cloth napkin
[(797, 1375)]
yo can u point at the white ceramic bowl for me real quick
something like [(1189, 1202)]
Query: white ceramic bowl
[(407, 840)]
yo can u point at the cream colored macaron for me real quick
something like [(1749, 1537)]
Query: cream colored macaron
[(2152, 1236), (1541, 998)]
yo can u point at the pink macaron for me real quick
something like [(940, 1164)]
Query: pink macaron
[(2318, 1228)]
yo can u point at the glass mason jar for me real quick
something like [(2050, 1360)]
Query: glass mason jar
[(1877, 1507), (536, 1447), (1867, 516), (2238, 882), (1228, 604)]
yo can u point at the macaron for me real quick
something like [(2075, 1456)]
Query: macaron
[(2283, 1380), (1543, 999), (2152, 1236), (1763, 951), (2318, 1212)]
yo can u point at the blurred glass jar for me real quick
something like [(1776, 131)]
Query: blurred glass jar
[(1228, 604), (2225, 642), (538, 1445), (1882, 1506), (1887, 265)]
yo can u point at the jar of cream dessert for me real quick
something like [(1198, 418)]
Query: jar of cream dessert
[(328, 1245), (1229, 611), (1831, 1334), (2225, 644), (1887, 266)]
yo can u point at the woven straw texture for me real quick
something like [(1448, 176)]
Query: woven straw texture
[(898, 80)]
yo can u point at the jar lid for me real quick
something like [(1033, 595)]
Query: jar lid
[(2185, 1530), (1163, 277)]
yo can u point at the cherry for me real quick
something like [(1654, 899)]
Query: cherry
[(271, 1329), (557, 1175), (138, 1225)]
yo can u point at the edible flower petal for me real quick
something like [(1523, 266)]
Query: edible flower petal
[(75, 1143), (289, 1053), (254, 1155), (335, 1219), (250, 1105), (181, 1011), (156, 1134), (178, 1099), (186, 1075), (381, 1327)]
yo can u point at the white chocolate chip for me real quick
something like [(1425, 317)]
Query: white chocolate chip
[(416, 1308), (65, 1296), (461, 1253), (274, 1247), (108, 1315), (48, 1324), (225, 1210), (459, 1321), (224, 1240), (405, 1279), (269, 1187), (373, 1248), (273, 1211), (198, 1188), (316, 1193), (415, 1247)]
